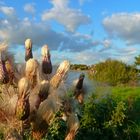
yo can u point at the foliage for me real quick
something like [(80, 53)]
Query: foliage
[(115, 72), (96, 111), (137, 60), (109, 117), (117, 117), (108, 114), (1, 136), (79, 67), (57, 128)]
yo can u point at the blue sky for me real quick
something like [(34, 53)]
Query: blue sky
[(82, 31)]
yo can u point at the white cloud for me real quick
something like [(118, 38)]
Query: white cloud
[(8, 11), (129, 51), (107, 43), (16, 30), (70, 18), (125, 26), (91, 56), (29, 8), (75, 46)]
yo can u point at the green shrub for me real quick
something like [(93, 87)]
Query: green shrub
[(57, 128), (1, 136), (117, 117), (115, 72), (96, 111), (105, 118)]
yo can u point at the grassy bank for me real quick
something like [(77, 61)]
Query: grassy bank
[(124, 93), (111, 113), (131, 96)]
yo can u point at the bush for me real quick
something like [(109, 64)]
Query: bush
[(57, 128), (96, 111), (106, 118), (114, 72), (1, 136), (79, 67)]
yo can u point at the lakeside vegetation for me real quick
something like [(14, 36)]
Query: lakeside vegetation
[(111, 112), (114, 72), (79, 67), (108, 113)]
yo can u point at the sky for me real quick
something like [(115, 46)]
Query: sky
[(81, 31)]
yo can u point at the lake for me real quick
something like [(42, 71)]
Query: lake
[(74, 75)]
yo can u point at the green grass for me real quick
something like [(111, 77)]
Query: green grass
[(130, 95), (125, 93)]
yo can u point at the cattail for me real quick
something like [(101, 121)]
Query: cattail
[(32, 71), (45, 51), (28, 51), (22, 110), (10, 70), (3, 73), (60, 74), (79, 84), (79, 91), (46, 60), (3, 46), (23, 86), (73, 126), (23, 107), (43, 92)]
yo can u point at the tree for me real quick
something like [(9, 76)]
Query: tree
[(137, 60), (114, 72)]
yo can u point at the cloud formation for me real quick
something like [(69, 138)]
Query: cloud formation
[(8, 11), (74, 46), (124, 26), (29, 8), (16, 31), (70, 18)]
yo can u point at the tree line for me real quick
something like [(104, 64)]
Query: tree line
[(112, 72)]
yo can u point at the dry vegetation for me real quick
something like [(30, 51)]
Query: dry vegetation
[(34, 102)]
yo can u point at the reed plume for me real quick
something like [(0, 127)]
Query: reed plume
[(60, 74)]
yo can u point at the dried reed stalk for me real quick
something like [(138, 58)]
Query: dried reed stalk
[(60, 74), (73, 126)]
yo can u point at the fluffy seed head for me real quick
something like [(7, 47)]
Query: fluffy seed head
[(28, 43), (31, 67), (45, 51), (60, 74), (23, 86)]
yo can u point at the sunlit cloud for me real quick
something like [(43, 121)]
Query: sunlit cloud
[(124, 26), (70, 18)]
